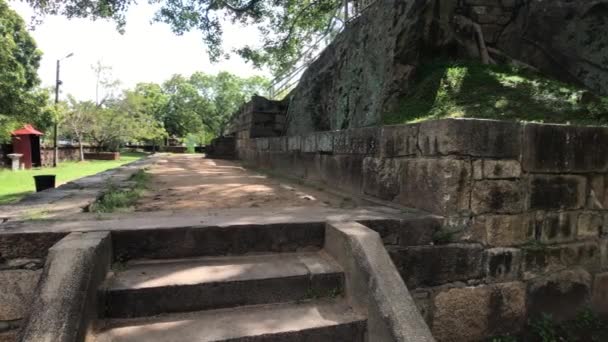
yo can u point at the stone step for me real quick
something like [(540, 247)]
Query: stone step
[(187, 242), (318, 321), (146, 288)]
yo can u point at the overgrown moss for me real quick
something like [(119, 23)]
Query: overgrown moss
[(472, 90)]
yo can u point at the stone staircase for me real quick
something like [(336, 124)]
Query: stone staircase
[(293, 296), (293, 281)]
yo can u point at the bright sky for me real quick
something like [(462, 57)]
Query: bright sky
[(145, 53)]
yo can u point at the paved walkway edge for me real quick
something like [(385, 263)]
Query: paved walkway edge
[(373, 284)]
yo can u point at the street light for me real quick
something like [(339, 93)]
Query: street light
[(57, 84)]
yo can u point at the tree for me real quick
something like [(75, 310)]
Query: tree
[(228, 93), (205, 103), (21, 101), (121, 120), (78, 118), (183, 107), (288, 26), (105, 83)]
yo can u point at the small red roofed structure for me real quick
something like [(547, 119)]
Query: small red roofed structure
[(26, 141)]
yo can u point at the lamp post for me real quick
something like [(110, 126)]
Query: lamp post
[(56, 125)]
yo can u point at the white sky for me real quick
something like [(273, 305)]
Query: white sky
[(145, 53)]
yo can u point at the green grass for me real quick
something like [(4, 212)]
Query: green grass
[(15, 185), (471, 90), (122, 199)]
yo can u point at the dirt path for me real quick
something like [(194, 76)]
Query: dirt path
[(187, 182)]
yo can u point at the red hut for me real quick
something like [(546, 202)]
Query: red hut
[(26, 141)]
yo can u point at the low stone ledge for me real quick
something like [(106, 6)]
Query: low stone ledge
[(67, 292), (565, 149), (399, 141), (470, 137), (374, 285)]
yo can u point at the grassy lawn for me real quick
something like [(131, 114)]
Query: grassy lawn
[(15, 185), (470, 90)]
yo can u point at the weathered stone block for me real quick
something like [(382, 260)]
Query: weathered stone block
[(590, 224), (497, 196), (16, 292), (311, 164), (604, 253), (381, 178), (342, 171), (309, 143), (357, 141), (414, 231), (501, 264), (436, 265), (476, 313), (277, 144), (561, 294), (503, 230), (496, 169), (294, 143), (554, 227), (325, 141), (597, 192), (262, 144), (440, 186), (399, 141), (599, 299), (546, 259), (470, 137), (557, 192), (562, 149)]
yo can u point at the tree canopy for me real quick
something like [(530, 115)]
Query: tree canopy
[(288, 27), (21, 101), (194, 108), (204, 103)]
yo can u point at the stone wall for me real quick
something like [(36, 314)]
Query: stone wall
[(22, 258), (371, 66), (259, 117), (523, 206)]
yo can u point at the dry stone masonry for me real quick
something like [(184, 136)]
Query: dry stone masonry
[(369, 67), (522, 212)]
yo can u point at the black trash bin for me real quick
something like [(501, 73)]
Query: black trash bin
[(44, 182)]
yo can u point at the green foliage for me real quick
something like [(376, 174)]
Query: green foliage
[(191, 141), (585, 327), (471, 90), (203, 104), (288, 27), (20, 99), (116, 199)]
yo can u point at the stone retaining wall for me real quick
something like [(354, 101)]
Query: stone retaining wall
[(524, 213), (22, 258)]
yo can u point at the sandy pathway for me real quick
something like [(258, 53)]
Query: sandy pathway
[(187, 182)]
